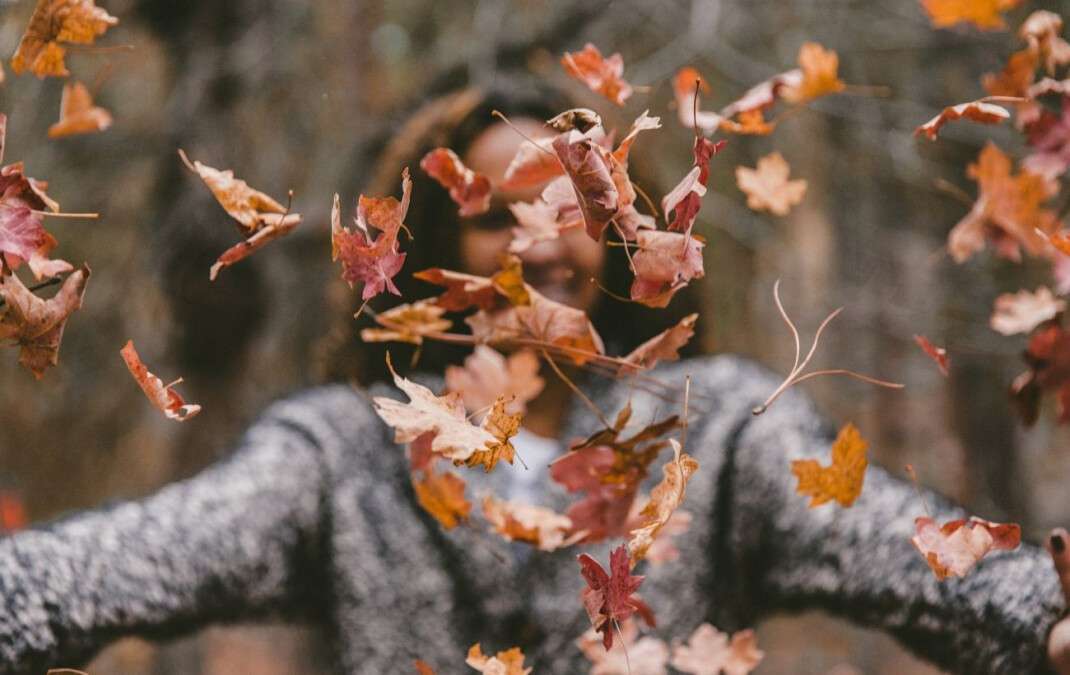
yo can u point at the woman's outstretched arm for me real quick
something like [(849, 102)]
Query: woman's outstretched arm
[(775, 553), (240, 539)]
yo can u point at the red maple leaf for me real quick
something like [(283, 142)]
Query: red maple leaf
[(685, 200), (609, 596), (1048, 357)]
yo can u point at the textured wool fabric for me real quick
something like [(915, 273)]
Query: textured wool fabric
[(313, 517)]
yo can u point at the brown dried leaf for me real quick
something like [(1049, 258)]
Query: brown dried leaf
[(709, 652), (251, 208), (665, 498), (509, 662), (54, 22), (163, 398), (77, 114), (665, 346), (604, 76), (974, 111), (955, 547), (36, 325), (442, 496), (842, 479), (544, 528), (468, 189), (767, 187), (488, 375), (1023, 311), (408, 323)]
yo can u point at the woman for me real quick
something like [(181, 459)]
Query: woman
[(313, 514)]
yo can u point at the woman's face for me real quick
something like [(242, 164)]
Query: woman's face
[(560, 269)]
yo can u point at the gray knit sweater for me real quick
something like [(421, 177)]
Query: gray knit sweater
[(313, 517)]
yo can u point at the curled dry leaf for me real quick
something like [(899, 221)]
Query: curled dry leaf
[(937, 354), (502, 426), (663, 550), (767, 187), (462, 290), (604, 76), (1007, 213), (629, 656), (488, 375), (819, 78), (984, 14), (1048, 358), (408, 323), (665, 498), (974, 111), (77, 114), (442, 496), (709, 652), (53, 23), (36, 325), (544, 528), (588, 167), (580, 119), (468, 189), (509, 662), (373, 262), (1023, 311), (842, 479), (261, 238), (534, 164), (251, 208), (163, 398), (1041, 31), (684, 201), (610, 597), (665, 346), (664, 263), (952, 549)]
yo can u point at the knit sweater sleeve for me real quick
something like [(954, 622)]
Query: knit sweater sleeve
[(858, 562), (241, 539)]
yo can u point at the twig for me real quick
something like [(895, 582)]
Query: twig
[(52, 214), (576, 390)]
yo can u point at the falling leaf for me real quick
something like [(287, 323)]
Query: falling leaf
[(243, 249), (163, 398), (819, 75), (36, 325), (580, 119), (488, 375), (952, 549), (842, 479), (373, 262), (664, 263), (1007, 212), (408, 323), (77, 114), (509, 662), (609, 597), (468, 189), (767, 187), (587, 166), (1060, 240), (454, 436), (937, 354), (604, 76), (984, 14), (423, 668), (12, 512), (509, 282), (663, 550), (462, 290), (54, 22), (1016, 77), (687, 84), (251, 208), (629, 656), (1023, 311), (709, 652), (684, 201), (665, 346), (1041, 31), (974, 111), (442, 496), (1048, 358), (22, 236), (544, 528), (502, 426), (534, 164), (537, 222), (665, 498)]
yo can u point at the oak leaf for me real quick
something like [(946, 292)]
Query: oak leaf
[(163, 398), (709, 652), (77, 114), (610, 597), (468, 189), (954, 548), (937, 354), (767, 187), (487, 375), (842, 479), (544, 528), (52, 23), (408, 323), (974, 111), (984, 14), (508, 662), (665, 498), (36, 325), (373, 262), (442, 496), (604, 76), (1023, 311)]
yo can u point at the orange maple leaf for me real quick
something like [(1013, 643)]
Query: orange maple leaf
[(767, 186), (35, 324), (842, 479), (408, 323), (54, 22), (77, 114), (602, 75), (509, 662), (819, 74), (442, 495), (984, 14)]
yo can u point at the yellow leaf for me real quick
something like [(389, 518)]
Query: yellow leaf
[(841, 480)]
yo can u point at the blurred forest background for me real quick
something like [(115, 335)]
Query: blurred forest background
[(289, 93)]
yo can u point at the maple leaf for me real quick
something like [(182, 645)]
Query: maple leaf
[(1016, 77), (163, 398), (534, 164), (408, 323), (423, 668), (509, 662), (984, 14), (819, 78), (952, 549), (502, 426), (54, 22), (609, 597), (537, 221), (1023, 311), (665, 498), (1048, 358), (373, 262), (665, 346), (767, 187), (537, 525), (36, 325), (937, 354), (588, 168), (685, 200), (454, 436), (974, 111), (842, 479), (251, 208), (1007, 212), (22, 237), (77, 114), (686, 86), (645, 656), (468, 189), (709, 652), (462, 290), (442, 496), (488, 375), (664, 263), (245, 248), (604, 76)]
